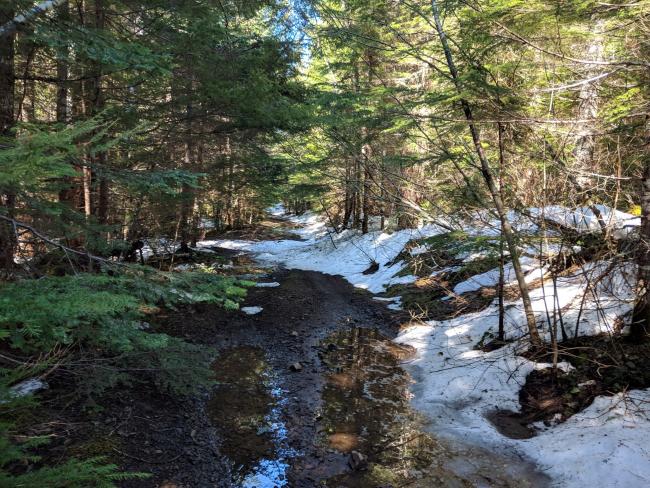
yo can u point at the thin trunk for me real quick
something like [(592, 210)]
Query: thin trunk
[(349, 205), (187, 193), (103, 199), (367, 178), (230, 195), (382, 194), (641, 317), (491, 184), (87, 190), (587, 112), (502, 281)]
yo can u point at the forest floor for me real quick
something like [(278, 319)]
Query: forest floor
[(319, 381), (311, 393), (303, 383)]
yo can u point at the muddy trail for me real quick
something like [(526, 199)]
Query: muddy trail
[(310, 393)]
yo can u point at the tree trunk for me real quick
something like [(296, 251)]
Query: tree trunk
[(349, 201), (62, 71), (7, 122), (587, 112), (641, 316), (486, 172), (367, 179)]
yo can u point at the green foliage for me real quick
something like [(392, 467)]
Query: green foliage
[(459, 243), (41, 154), (16, 454), (38, 315), (105, 316)]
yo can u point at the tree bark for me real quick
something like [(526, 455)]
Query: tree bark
[(7, 122), (641, 317), (486, 172)]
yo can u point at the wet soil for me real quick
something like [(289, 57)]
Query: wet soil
[(602, 365), (310, 393)]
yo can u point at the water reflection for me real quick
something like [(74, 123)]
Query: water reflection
[(246, 408), (366, 408)]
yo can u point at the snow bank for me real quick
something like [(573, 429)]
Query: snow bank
[(530, 266), (457, 383), (583, 219), (605, 445), (348, 253)]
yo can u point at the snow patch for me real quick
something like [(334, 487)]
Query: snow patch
[(273, 284), (251, 310)]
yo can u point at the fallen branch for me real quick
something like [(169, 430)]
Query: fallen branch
[(52, 242)]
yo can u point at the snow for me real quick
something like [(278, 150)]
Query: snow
[(393, 303), (251, 310), (455, 382), (583, 218), (25, 388), (605, 445), (456, 385), (491, 278), (272, 284), (347, 254)]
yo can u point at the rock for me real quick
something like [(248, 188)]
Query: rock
[(630, 365), (373, 268), (296, 367), (357, 461)]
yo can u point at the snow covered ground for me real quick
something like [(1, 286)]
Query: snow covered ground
[(456, 385)]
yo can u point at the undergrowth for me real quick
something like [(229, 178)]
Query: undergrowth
[(90, 332)]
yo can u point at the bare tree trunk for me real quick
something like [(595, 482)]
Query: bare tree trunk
[(87, 190), (587, 112), (356, 213), (187, 193), (367, 179), (103, 197), (62, 72), (349, 203), (7, 122), (486, 171), (641, 317), (407, 193)]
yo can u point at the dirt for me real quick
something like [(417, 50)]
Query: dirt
[(602, 365)]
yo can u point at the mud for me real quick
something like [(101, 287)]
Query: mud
[(272, 426)]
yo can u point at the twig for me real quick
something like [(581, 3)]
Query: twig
[(65, 249)]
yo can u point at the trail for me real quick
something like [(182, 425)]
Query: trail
[(305, 382)]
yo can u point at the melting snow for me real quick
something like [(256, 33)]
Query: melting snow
[(603, 446), (251, 310)]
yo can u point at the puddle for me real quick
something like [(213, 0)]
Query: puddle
[(246, 409), (366, 408)]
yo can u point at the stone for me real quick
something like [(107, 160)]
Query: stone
[(296, 367), (357, 461)]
